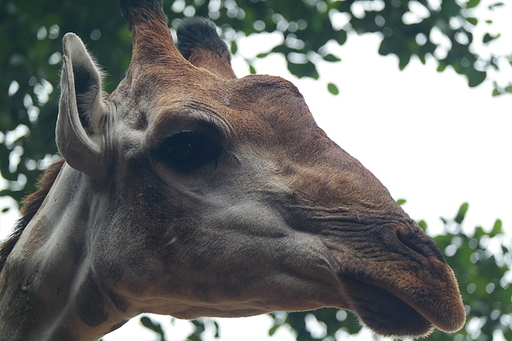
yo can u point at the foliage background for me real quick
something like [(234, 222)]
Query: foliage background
[(446, 31)]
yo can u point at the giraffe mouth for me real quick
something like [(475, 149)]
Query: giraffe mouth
[(391, 312), (383, 312)]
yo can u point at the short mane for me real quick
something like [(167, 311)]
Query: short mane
[(30, 206)]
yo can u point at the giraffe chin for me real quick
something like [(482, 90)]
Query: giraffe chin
[(383, 312)]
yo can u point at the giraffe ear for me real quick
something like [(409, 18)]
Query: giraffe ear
[(82, 114)]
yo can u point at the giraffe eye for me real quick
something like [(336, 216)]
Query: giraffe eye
[(188, 150)]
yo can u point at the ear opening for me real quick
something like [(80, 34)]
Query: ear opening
[(80, 132), (88, 97), (200, 44)]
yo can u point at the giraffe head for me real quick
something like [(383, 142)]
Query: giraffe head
[(218, 196)]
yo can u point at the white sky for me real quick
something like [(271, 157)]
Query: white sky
[(427, 136)]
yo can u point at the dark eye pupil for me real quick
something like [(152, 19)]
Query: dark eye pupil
[(181, 150), (186, 151)]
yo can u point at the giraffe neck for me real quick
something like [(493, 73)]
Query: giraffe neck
[(48, 288)]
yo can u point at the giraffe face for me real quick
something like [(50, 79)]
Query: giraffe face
[(222, 197), (233, 219)]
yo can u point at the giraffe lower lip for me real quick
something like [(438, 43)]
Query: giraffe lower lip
[(392, 299), (383, 312)]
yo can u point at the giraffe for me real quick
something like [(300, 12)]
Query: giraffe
[(190, 192)]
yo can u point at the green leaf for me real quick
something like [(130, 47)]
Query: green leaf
[(459, 218), (496, 5), (488, 38), (331, 58), (252, 70), (154, 326), (472, 21), (496, 92), (273, 329), (401, 202), (386, 47), (472, 3), (476, 77), (341, 37), (479, 232), (234, 47), (217, 329), (508, 88), (403, 60), (333, 89), (423, 224), (497, 228), (262, 55), (307, 69)]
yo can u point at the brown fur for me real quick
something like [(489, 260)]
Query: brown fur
[(30, 206)]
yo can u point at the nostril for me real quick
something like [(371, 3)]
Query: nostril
[(420, 243), (406, 240)]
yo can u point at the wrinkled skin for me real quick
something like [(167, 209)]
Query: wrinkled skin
[(193, 193)]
